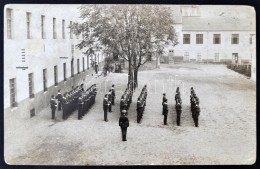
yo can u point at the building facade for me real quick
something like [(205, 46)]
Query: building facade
[(219, 38), (40, 56)]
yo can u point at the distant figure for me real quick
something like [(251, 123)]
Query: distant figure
[(80, 107), (53, 106), (196, 115), (59, 98), (163, 100), (109, 101), (123, 123), (113, 94), (105, 107), (178, 110), (165, 112)]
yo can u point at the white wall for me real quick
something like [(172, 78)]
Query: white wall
[(40, 53)]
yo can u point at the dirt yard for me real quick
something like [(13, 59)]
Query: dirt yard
[(226, 133)]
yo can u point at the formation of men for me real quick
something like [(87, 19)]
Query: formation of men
[(141, 103), (195, 108), (77, 98), (178, 106), (108, 101), (126, 100)]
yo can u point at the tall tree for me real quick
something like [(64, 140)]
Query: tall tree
[(134, 32)]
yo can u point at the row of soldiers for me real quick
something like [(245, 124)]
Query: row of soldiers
[(77, 98), (86, 100), (141, 103), (195, 108), (126, 100), (108, 101)]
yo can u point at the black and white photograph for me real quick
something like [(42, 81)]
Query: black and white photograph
[(129, 84)]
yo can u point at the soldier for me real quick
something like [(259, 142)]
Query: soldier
[(53, 106), (80, 107), (122, 103), (123, 123), (109, 101), (196, 115), (178, 110), (59, 97), (105, 106), (139, 110), (113, 94), (165, 112), (64, 101), (163, 100)]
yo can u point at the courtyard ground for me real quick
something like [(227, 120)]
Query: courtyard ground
[(226, 133)]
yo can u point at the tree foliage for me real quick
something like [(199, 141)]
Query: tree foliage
[(134, 32)]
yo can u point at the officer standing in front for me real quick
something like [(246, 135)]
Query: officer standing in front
[(80, 107), (105, 106), (165, 112), (53, 106), (178, 110), (164, 99), (59, 98), (123, 123), (196, 115)]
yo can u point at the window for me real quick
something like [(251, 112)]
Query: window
[(71, 35), (199, 38), (9, 21), (56, 75), (54, 29), (43, 26), (44, 79), (72, 68), (72, 49), (64, 72), (31, 85), (63, 29), (78, 65), (13, 102), (216, 57), (198, 57), (83, 64), (251, 39), (235, 39), (186, 56), (87, 62), (216, 39), (186, 38), (28, 24)]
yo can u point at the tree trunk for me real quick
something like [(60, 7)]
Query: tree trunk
[(130, 76), (158, 61), (135, 78)]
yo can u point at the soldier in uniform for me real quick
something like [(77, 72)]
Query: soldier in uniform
[(113, 94), (165, 112), (196, 115), (109, 101), (122, 103), (105, 106), (59, 97), (163, 100), (178, 110), (80, 107), (53, 106), (123, 123), (139, 110)]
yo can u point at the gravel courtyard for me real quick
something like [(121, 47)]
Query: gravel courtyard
[(226, 133)]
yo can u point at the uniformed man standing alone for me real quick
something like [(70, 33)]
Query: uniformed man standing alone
[(105, 106), (113, 94), (165, 112), (80, 107), (59, 98), (53, 106), (163, 99), (123, 123)]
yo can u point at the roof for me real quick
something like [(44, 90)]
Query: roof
[(218, 24)]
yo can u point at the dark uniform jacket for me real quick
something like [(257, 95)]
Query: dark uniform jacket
[(59, 96), (165, 109), (123, 121), (53, 103)]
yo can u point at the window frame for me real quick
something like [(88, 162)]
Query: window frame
[(31, 85), (186, 38), (63, 29), (45, 88), (56, 75), (199, 38), (28, 25), (215, 38), (235, 39), (9, 23), (43, 27), (13, 92), (64, 71)]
